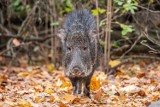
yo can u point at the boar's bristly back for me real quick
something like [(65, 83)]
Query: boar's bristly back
[(79, 21)]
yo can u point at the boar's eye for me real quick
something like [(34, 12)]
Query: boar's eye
[(85, 48), (69, 48)]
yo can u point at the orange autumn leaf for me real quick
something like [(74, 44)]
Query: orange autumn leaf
[(66, 84), (62, 105), (122, 97), (76, 101), (52, 98), (38, 88), (105, 82), (62, 78), (95, 83), (23, 103), (50, 67), (141, 93), (68, 98), (98, 95), (140, 74), (155, 97), (48, 91), (39, 99)]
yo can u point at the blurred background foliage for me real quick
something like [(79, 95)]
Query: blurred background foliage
[(28, 28)]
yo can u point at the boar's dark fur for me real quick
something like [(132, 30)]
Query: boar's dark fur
[(81, 49)]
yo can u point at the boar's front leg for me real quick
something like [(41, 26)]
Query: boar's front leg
[(86, 81), (77, 85), (86, 90), (74, 87)]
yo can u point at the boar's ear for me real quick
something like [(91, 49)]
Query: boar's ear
[(62, 35), (93, 35)]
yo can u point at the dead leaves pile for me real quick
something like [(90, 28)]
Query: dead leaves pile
[(134, 86)]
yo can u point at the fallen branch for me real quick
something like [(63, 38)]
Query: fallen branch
[(120, 49), (8, 49), (139, 37), (140, 57), (38, 39), (5, 30)]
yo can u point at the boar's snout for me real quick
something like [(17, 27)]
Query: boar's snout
[(76, 72)]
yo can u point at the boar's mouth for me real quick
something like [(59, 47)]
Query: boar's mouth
[(84, 73)]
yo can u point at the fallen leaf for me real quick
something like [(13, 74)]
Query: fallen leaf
[(122, 97), (52, 98), (23, 103), (157, 88), (23, 74), (38, 88), (95, 83), (68, 98), (155, 97), (62, 105), (41, 88), (130, 89), (105, 82), (50, 67), (99, 95), (16, 42), (48, 91), (140, 74), (85, 100), (59, 83), (141, 93), (62, 78), (76, 101), (1, 97), (66, 84), (27, 73), (56, 97), (114, 63), (39, 99)]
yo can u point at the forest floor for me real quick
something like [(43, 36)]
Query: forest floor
[(135, 85)]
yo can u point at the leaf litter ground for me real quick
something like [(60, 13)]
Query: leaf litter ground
[(135, 85)]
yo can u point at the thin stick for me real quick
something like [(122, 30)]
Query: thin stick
[(139, 57), (51, 4), (97, 17), (148, 9), (107, 38), (55, 30)]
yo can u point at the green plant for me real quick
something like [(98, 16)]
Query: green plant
[(126, 5), (19, 8), (68, 6), (125, 28), (54, 23), (95, 12)]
